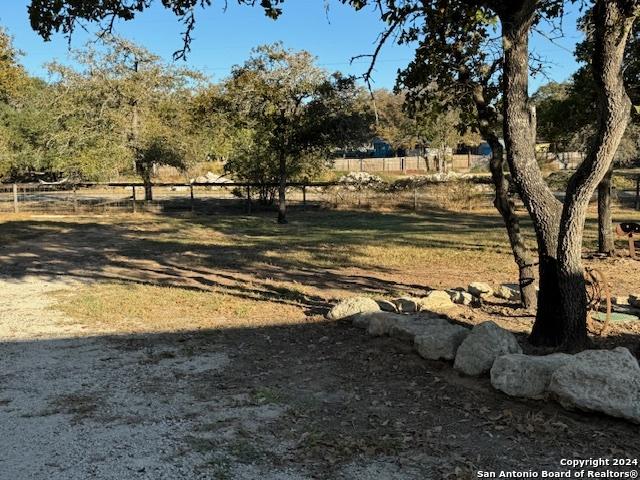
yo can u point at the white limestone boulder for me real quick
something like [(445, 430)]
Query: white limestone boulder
[(406, 304), (387, 306), (480, 289), (526, 376), (362, 320), (486, 342), (461, 297), (436, 300), (606, 381), (411, 326), (441, 342), (508, 292), (352, 306), (380, 323)]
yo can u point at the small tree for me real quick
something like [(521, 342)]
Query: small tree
[(291, 113)]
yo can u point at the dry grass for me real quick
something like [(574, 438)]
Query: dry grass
[(126, 308), (156, 273)]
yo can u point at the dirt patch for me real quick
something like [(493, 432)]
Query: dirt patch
[(176, 382)]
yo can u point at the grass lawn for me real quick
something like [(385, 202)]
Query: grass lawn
[(150, 272), (195, 346)]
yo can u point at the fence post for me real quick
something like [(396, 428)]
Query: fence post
[(248, 199), (192, 198), (15, 198), (75, 200), (638, 192), (133, 187), (304, 196)]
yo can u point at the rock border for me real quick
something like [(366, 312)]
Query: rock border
[(604, 381)]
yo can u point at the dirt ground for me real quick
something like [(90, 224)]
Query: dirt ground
[(257, 384)]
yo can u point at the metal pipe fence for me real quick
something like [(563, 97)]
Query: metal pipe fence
[(114, 197), (130, 196)]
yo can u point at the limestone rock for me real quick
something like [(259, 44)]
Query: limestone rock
[(462, 298), (351, 306), (435, 300), (480, 289), (406, 304), (410, 327), (441, 342), (527, 376), (362, 320), (606, 381), (382, 323), (486, 342), (387, 306), (508, 292)]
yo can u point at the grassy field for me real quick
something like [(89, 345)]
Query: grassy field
[(196, 346), (163, 273)]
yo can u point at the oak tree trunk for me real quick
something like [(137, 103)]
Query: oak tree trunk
[(282, 189), (148, 190), (520, 135), (605, 220), (145, 172), (505, 205), (612, 26), (503, 202), (562, 301)]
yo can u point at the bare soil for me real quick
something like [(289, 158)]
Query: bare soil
[(258, 384)]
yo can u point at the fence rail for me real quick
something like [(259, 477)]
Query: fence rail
[(98, 197), (457, 163), (108, 196)]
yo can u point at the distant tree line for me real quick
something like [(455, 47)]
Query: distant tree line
[(475, 56), (121, 111)]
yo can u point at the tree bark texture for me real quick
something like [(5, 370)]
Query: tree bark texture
[(562, 302), (146, 179), (520, 135), (605, 220), (503, 202), (612, 26)]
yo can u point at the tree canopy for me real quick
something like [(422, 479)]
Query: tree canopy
[(290, 113)]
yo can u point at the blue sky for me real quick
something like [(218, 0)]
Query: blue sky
[(223, 39)]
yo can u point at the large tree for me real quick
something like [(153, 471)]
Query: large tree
[(562, 302), (461, 70), (123, 103)]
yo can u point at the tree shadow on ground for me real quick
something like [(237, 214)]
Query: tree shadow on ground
[(316, 397), (248, 256)]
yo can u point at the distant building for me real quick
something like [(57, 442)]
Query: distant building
[(484, 148), (381, 149)]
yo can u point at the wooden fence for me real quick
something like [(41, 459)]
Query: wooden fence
[(457, 163)]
